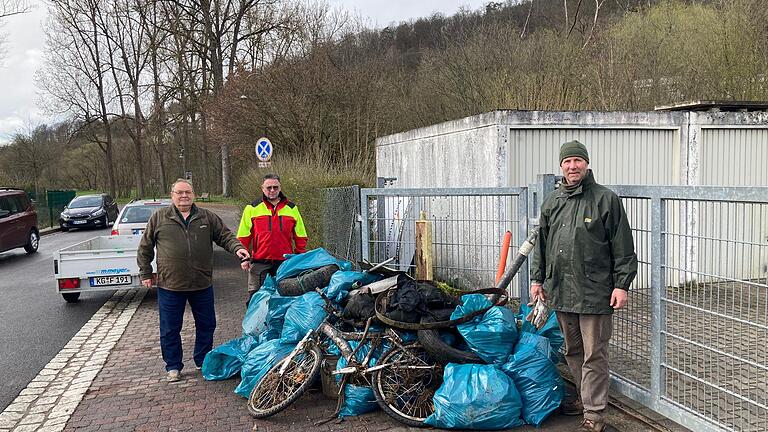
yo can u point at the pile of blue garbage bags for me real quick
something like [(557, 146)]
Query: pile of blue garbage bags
[(519, 384)]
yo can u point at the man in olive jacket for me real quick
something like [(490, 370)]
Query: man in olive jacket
[(583, 265), (184, 235)]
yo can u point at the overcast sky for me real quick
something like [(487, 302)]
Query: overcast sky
[(25, 42)]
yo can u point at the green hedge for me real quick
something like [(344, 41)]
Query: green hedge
[(302, 182)]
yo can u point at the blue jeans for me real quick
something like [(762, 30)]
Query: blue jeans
[(170, 305)]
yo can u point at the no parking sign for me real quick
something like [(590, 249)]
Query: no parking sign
[(264, 151)]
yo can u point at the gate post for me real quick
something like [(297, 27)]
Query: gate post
[(658, 293), (545, 184)]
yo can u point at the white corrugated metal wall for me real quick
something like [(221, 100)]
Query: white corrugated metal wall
[(733, 156), (617, 155)]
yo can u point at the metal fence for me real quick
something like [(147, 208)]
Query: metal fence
[(49, 206), (341, 222), (691, 345), (467, 228)]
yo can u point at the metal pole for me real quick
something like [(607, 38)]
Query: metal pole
[(658, 293)]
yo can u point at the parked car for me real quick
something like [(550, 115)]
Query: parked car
[(135, 215), (88, 211), (18, 221)]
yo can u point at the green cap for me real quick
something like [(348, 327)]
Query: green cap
[(573, 148)]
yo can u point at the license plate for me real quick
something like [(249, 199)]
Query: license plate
[(78, 222), (110, 280), (138, 231)]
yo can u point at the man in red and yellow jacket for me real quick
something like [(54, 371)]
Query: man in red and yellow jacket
[(269, 229)]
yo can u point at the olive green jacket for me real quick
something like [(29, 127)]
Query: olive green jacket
[(584, 250), (184, 252)]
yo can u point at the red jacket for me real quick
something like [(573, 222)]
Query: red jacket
[(270, 231)]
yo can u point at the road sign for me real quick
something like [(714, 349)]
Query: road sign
[(264, 149)]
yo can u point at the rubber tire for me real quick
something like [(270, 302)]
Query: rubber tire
[(376, 379), (105, 222), (317, 357), (71, 297), (438, 349), (33, 242), (299, 285), (63, 228)]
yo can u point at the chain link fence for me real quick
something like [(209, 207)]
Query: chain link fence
[(341, 226)]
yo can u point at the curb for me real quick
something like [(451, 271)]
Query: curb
[(46, 231), (49, 400)]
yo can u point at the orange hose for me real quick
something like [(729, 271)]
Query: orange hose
[(503, 257)]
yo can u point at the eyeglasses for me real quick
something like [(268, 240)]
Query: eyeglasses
[(184, 192), (272, 187)]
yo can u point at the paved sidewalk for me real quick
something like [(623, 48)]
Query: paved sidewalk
[(110, 377)]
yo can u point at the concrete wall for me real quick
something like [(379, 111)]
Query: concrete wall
[(459, 153)]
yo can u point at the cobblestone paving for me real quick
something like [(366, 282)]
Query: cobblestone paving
[(54, 394)]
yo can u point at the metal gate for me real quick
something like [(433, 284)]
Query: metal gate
[(691, 345)]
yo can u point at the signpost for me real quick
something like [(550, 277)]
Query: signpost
[(264, 151)]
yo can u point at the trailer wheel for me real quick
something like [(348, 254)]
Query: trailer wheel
[(71, 297)]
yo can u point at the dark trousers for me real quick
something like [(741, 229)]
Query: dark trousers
[(258, 274), (171, 306)]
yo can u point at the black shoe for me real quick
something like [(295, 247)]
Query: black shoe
[(572, 407)]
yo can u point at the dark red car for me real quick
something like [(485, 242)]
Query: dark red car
[(18, 221)]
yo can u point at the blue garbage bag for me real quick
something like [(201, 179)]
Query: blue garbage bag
[(277, 306), (296, 264), (536, 377), (225, 360), (259, 361), (255, 319), (492, 335), (304, 314), (475, 396), (342, 281), (359, 399), (550, 330)]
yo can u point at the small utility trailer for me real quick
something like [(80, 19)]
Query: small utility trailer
[(98, 264)]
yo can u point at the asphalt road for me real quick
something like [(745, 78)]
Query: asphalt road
[(35, 321)]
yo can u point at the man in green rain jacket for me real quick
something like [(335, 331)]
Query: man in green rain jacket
[(583, 265)]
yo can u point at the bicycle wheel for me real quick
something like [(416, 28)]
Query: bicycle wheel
[(274, 392), (404, 388)]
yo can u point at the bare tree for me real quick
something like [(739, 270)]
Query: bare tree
[(221, 25), (13, 7), (10, 8), (126, 39), (30, 154), (154, 26), (75, 74)]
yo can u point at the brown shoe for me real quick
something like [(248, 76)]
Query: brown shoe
[(591, 426), (572, 407)]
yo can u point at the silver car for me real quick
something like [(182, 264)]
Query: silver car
[(134, 216)]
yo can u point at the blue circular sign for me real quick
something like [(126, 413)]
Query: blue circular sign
[(264, 149)]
